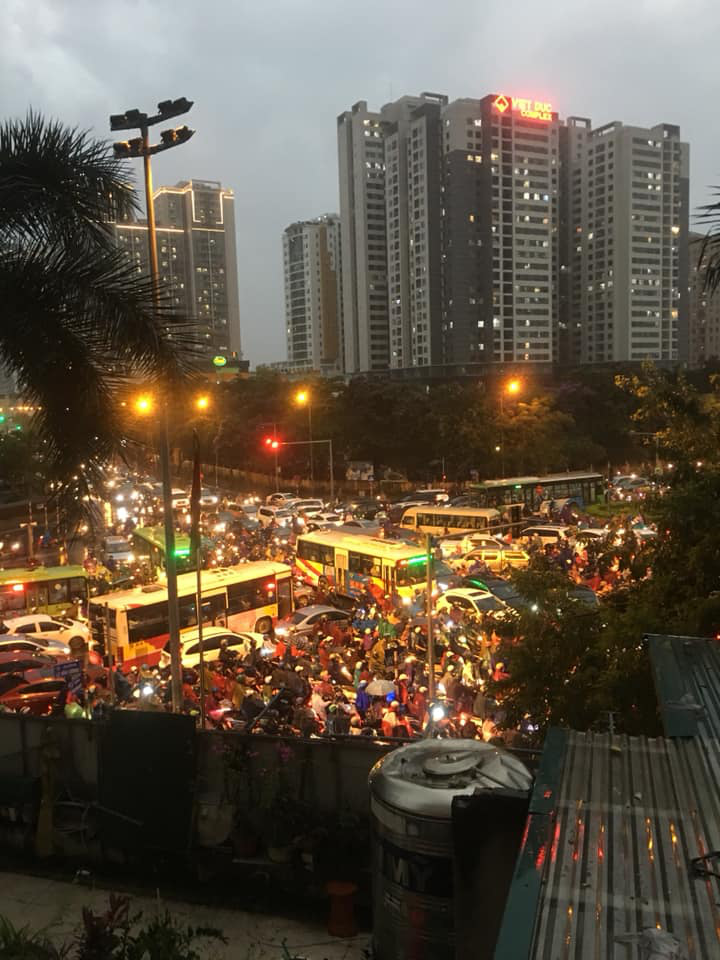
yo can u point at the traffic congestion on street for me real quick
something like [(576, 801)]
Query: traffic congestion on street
[(312, 618)]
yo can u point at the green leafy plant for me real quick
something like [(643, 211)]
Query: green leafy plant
[(18, 943)]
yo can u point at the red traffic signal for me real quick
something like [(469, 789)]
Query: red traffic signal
[(272, 443)]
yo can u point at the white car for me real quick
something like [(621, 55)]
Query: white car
[(458, 544), (549, 533), (282, 517), (208, 498), (59, 631), (239, 643), (12, 642), (469, 600), (280, 498), (308, 508)]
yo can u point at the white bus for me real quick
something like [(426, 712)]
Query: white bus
[(249, 596), (440, 521), (358, 564)]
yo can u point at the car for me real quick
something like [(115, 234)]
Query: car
[(279, 498), (208, 498), (501, 589), (117, 549), (59, 631), (18, 661), (370, 528), (39, 697), (458, 544), (307, 508), (549, 533), (496, 558), (239, 643), (470, 600), (29, 644), (282, 517), (303, 620)]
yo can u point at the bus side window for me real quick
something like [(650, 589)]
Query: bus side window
[(58, 591), (284, 597)]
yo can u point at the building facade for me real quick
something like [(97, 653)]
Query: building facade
[(500, 239), (313, 295), (627, 215), (197, 258)]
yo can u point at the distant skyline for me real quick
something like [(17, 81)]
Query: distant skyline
[(269, 82)]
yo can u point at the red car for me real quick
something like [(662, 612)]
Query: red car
[(40, 696)]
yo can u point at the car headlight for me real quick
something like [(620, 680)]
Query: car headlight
[(131, 558)]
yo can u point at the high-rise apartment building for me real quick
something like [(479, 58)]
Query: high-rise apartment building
[(626, 242), (361, 165), (195, 226), (313, 294), (489, 231), (704, 309), (412, 131), (500, 212)]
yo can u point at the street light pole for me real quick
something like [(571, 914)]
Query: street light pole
[(136, 120)]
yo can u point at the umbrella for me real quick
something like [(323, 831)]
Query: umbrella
[(379, 688)]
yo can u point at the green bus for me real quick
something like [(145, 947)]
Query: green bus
[(52, 590), (148, 546)]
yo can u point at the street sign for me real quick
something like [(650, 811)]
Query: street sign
[(219, 361), (71, 672)]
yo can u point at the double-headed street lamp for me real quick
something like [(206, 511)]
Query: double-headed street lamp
[(141, 147)]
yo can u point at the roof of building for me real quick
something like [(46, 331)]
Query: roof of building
[(686, 671), (615, 823)]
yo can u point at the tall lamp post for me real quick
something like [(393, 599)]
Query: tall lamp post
[(512, 389), (141, 147), (303, 398)]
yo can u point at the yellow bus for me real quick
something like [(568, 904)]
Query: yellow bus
[(249, 596), (360, 564), (441, 521), (52, 590)]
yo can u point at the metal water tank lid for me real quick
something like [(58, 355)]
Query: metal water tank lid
[(423, 777)]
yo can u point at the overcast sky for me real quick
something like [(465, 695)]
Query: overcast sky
[(269, 79)]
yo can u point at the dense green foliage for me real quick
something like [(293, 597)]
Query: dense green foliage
[(420, 430), (77, 321)]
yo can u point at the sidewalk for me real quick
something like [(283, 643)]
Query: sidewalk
[(39, 903)]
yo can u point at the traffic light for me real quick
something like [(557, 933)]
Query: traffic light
[(271, 443)]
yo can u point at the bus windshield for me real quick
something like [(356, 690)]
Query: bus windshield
[(412, 571)]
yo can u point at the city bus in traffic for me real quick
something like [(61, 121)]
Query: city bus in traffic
[(52, 590), (148, 547), (443, 520), (358, 564), (249, 596), (580, 487)]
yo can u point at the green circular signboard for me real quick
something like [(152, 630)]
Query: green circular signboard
[(219, 361)]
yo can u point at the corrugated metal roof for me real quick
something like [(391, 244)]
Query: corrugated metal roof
[(614, 823), (687, 681)]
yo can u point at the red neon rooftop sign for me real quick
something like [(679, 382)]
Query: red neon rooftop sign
[(530, 109)]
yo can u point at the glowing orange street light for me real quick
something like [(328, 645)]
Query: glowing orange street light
[(202, 402), (303, 398), (144, 404), (513, 386)]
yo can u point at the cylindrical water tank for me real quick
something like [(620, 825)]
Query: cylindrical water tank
[(411, 794)]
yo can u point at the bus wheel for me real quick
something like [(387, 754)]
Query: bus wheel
[(323, 582), (263, 625)]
